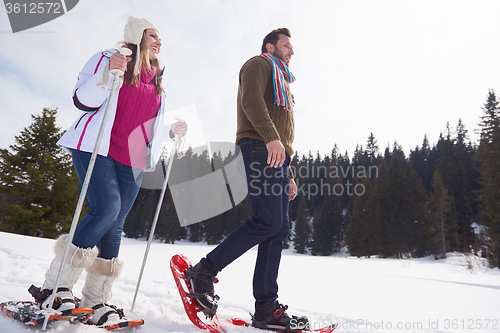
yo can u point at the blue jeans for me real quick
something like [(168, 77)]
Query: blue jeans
[(111, 193), (268, 191)]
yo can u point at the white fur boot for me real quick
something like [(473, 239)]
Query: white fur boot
[(77, 259), (97, 291)]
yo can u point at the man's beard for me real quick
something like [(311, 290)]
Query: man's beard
[(280, 56)]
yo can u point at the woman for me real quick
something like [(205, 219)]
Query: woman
[(132, 142)]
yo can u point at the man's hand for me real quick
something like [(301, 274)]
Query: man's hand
[(293, 189), (275, 153)]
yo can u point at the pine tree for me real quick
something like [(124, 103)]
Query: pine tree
[(466, 154), (319, 169), (413, 212), (488, 156), (343, 163), (215, 229), (361, 227), (451, 165), (327, 235), (38, 182), (302, 229), (385, 205), (439, 216), (398, 210), (169, 227), (423, 163), (372, 149)]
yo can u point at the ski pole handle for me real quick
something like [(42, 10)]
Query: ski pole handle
[(126, 52)]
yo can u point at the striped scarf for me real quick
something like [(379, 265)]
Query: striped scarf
[(282, 96)]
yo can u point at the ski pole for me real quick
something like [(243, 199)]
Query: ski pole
[(116, 81), (157, 214)]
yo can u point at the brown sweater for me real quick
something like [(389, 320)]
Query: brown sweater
[(258, 117)]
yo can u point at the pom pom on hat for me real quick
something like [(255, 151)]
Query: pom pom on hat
[(134, 29)]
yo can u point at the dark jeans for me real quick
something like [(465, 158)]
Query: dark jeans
[(111, 193), (268, 191)]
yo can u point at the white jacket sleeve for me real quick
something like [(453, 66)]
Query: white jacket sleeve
[(166, 132), (91, 90)]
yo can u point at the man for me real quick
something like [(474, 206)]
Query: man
[(265, 132)]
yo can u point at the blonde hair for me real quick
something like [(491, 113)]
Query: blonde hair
[(144, 64)]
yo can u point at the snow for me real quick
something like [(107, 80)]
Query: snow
[(458, 294)]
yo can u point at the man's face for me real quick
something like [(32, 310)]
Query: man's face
[(283, 49)]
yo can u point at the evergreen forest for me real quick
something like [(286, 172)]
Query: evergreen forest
[(441, 198)]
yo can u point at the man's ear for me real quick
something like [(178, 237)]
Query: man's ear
[(270, 48)]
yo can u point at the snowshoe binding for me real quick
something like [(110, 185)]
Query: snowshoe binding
[(202, 280), (63, 300), (275, 318), (111, 317)]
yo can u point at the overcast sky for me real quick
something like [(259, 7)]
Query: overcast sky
[(400, 69)]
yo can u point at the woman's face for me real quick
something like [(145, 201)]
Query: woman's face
[(153, 43)]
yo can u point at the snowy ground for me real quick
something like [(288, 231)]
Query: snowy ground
[(363, 295)]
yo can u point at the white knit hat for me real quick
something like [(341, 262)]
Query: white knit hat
[(133, 34)]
